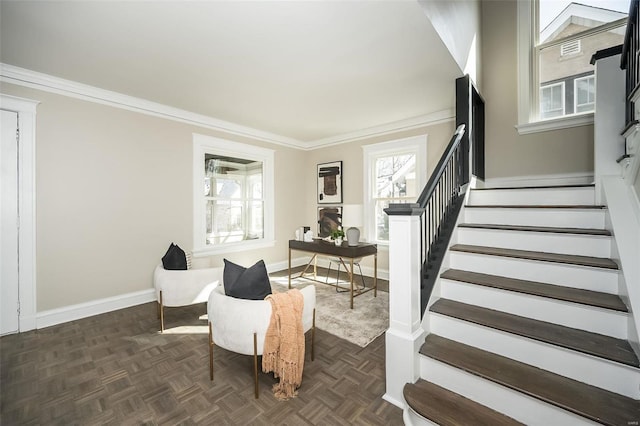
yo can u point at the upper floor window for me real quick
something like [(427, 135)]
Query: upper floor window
[(233, 196), (557, 39), (395, 172)]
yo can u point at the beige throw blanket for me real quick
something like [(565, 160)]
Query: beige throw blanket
[(284, 343)]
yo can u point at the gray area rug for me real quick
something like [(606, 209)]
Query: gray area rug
[(368, 319)]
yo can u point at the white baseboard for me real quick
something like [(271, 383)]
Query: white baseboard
[(538, 180), (94, 307)]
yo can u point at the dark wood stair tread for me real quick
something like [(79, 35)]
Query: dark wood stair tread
[(447, 408), (596, 404), (598, 345), (548, 229), (596, 262), (567, 294)]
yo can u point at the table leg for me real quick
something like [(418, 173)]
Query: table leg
[(375, 275), (289, 268), (315, 267), (351, 279)]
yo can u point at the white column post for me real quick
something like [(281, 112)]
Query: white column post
[(405, 335), (608, 120)]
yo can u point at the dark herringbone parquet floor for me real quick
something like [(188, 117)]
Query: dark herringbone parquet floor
[(114, 369)]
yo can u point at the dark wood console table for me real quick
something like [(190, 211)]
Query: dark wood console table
[(344, 251)]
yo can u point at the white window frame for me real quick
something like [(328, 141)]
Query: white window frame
[(575, 91), (412, 145), (561, 84), (528, 103), (203, 144)]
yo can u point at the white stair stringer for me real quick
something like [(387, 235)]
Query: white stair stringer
[(589, 369), (537, 196), (574, 315), (588, 278), (579, 244), (514, 404), (590, 218)]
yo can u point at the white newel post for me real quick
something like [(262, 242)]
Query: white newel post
[(405, 335), (608, 120)]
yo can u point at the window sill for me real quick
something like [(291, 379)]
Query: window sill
[(233, 248), (555, 124)]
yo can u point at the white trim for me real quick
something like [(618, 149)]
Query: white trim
[(566, 122), (437, 117), (94, 307), (539, 180), (35, 80), (203, 144), (24, 77), (525, 37), (26, 110)]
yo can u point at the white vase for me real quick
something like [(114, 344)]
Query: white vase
[(338, 241)]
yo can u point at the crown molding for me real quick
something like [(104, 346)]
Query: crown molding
[(434, 118), (36, 80)]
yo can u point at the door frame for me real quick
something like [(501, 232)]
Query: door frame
[(26, 109)]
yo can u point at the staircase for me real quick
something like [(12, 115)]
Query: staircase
[(527, 326)]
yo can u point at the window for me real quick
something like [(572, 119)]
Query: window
[(552, 100), (233, 196), (556, 40), (585, 93), (394, 172)]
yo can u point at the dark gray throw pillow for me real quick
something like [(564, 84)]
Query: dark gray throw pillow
[(174, 259), (246, 283)]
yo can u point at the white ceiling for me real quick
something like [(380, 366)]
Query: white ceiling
[(305, 70)]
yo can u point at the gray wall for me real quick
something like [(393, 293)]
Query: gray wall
[(559, 152), (114, 189)]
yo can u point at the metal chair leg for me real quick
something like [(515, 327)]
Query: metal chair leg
[(210, 353), (313, 335), (161, 314), (255, 363)]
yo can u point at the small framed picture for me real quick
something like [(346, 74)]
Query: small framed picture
[(329, 219), (330, 183)]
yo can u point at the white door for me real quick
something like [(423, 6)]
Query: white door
[(9, 302)]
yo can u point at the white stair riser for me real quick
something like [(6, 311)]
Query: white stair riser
[(563, 218), (596, 279), (592, 370), (514, 404), (574, 315), (543, 196), (584, 245)]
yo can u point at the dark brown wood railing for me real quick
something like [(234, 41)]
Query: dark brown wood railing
[(442, 197), (630, 61)]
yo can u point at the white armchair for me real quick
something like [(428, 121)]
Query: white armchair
[(240, 325), (183, 287)]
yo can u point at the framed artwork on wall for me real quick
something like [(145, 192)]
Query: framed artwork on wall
[(329, 219), (330, 183)]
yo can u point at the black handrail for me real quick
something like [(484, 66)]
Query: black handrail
[(441, 199), (430, 187)]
